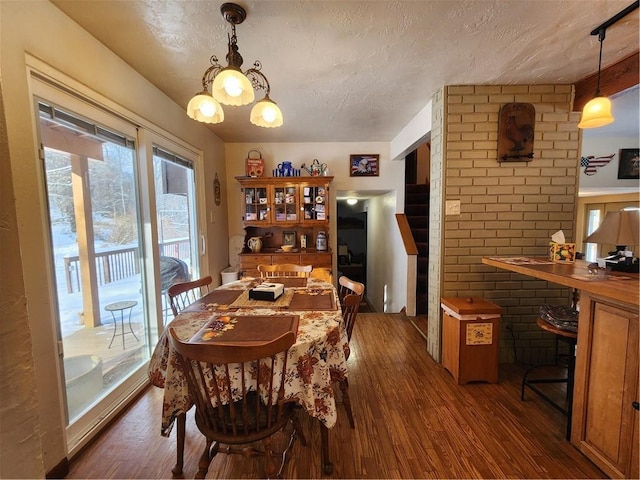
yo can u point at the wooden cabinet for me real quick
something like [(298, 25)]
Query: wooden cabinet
[(249, 261), (284, 201), (285, 207), (279, 208), (470, 339), (605, 421)]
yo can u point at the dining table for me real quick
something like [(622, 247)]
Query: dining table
[(316, 360)]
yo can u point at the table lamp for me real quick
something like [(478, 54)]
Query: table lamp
[(622, 229)]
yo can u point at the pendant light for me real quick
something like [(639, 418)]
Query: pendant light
[(597, 112), (230, 86)]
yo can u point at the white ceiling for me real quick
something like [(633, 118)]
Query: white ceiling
[(349, 71)]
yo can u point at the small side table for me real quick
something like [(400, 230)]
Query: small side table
[(121, 307)]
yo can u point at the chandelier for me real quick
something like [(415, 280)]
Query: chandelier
[(230, 86)]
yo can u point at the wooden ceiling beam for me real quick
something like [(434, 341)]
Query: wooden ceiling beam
[(613, 79)]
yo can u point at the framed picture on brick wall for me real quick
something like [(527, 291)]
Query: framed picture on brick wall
[(629, 163)]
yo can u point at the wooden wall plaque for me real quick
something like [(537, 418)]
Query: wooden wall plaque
[(515, 132)]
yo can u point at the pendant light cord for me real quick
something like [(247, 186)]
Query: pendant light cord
[(600, 30), (601, 35)]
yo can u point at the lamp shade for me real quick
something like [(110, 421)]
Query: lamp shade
[(266, 113), (621, 227), (204, 108), (232, 87), (596, 113)]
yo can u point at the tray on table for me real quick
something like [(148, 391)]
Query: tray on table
[(313, 299), (245, 329), (217, 299)]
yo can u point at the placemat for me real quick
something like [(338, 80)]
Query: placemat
[(288, 282), (214, 300), (243, 301), (245, 330), (313, 299)]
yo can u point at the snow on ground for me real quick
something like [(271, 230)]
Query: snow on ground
[(70, 304)]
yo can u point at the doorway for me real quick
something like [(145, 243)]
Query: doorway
[(352, 240)]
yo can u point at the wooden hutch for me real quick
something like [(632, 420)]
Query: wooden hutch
[(280, 210)]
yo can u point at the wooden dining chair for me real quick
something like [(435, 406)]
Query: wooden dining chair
[(172, 270), (284, 270), (180, 296), (351, 294), (346, 286), (245, 403), (322, 274), (184, 294)]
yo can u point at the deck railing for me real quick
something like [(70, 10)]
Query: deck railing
[(119, 263)]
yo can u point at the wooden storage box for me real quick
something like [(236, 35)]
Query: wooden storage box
[(470, 328)]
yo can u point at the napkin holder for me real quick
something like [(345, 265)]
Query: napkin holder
[(562, 252), (267, 291)]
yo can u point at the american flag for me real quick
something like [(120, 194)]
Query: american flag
[(590, 163)]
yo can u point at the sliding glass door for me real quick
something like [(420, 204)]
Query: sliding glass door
[(175, 204), (91, 182), (120, 207)]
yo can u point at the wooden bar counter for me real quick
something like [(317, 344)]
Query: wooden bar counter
[(605, 403)]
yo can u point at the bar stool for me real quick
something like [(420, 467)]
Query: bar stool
[(562, 321)]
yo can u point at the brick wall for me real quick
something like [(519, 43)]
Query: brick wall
[(436, 226), (509, 208)]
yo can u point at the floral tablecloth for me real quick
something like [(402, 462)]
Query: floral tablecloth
[(316, 360)]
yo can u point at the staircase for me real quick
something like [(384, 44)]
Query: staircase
[(416, 208)]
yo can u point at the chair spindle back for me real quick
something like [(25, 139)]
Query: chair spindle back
[(181, 295)]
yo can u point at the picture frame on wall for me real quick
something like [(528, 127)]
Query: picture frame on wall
[(289, 238), (629, 164), (364, 165)]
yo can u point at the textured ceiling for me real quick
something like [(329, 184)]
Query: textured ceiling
[(348, 71)]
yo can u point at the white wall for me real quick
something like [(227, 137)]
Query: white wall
[(336, 155), (386, 259), (413, 134), (607, 175), (19, 417), (38, 28)]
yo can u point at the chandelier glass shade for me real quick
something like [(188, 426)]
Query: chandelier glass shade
[(204, 108), (231, 86), (266, 113)]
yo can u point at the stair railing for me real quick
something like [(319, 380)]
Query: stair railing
[(411, 251)]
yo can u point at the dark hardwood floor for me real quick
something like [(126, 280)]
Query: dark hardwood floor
[(412, 421)]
